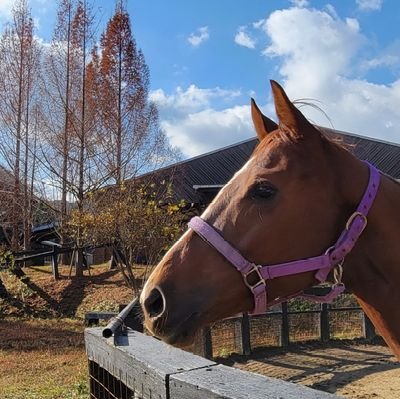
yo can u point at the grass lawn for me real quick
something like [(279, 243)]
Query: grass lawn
[(42, 353), (43, 359)]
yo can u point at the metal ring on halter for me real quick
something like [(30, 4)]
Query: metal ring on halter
[(337, 273), (351, 220), (261, 280)]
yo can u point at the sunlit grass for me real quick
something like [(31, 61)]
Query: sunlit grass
[(38, 363)]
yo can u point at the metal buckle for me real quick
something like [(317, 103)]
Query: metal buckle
[(261, 280), (329, 250), (351, 220)]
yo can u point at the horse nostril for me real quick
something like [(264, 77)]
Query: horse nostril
[(154, 303)]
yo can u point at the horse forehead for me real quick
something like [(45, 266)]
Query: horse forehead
[(269, 159), (224, 192), (281, 155)]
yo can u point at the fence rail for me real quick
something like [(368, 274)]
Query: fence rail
[(54, 251), (141, 367)]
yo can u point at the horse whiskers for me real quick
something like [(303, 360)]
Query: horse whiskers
[(140, 317), (164, 319), (260, 214)]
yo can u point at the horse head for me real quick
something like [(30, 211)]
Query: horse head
[(286, 203)]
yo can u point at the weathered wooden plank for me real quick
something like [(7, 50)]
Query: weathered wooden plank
[(139, 361), (221, 382)]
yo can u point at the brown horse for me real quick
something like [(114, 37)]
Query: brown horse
[(289, 202)]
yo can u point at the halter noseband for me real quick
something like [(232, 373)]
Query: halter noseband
[(332, 258)]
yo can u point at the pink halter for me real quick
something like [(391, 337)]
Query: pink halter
[(333, 257)]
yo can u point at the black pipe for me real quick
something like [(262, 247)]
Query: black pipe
[(119, 320)]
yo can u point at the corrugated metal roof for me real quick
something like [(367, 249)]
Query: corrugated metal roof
[(217, 167)]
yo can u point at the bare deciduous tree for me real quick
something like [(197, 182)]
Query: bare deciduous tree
[(19, 63)]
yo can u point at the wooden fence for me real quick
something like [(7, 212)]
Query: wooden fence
[(284, 326), (136, 366), (53, 252)]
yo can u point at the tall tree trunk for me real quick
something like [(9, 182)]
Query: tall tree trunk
[(119, 126), (66, 130), (27, 195), (33, 169), (81, 193), (17, 180)]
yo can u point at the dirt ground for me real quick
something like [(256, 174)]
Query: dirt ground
[(352, 370)]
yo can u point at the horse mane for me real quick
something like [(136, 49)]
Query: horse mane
[(283, 134), (334, 139)]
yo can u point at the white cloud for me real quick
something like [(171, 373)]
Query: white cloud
[(389, 60), (242, 38), (318, 57), (331, 10), (200, 36), (192, 99), (314, 48), (36, 22), (259, 24), (300, 3), (192, 122), (35, 6), (209, 129), (367, 5), (5, 8)]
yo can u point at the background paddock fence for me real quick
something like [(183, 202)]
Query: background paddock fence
[(294, 322), (137, 366)]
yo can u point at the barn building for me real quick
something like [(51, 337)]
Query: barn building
[(197, 180)]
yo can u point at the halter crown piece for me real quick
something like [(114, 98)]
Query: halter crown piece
[(332, 259)]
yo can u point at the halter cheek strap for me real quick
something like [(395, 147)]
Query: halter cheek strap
[(323, 264)]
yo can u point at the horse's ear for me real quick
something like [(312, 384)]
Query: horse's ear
[(262, 124), (288, 115)]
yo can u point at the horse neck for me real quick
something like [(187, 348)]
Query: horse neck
[(372, 270)]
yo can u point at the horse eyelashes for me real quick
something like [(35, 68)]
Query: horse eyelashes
[(263, 191)]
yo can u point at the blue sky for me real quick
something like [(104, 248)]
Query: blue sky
[(208, 57)]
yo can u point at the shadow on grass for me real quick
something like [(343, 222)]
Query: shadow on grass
[(73, 293), (33, 335)]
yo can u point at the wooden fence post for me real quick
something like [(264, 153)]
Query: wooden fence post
[(245, 330), (285, 340), (369, 328), (324, 323), (207, 343), (54, 263)]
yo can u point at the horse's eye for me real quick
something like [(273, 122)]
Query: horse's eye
[(263, 191)]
